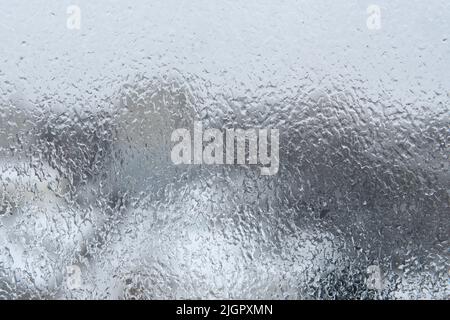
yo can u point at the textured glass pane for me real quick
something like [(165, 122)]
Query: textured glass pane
[(351, 200)]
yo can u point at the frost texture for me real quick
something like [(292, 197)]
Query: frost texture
[(92, 206)]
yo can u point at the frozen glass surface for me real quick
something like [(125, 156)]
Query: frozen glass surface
[(92, 204)]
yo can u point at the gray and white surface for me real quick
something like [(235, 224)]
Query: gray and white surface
[(92, 207)]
